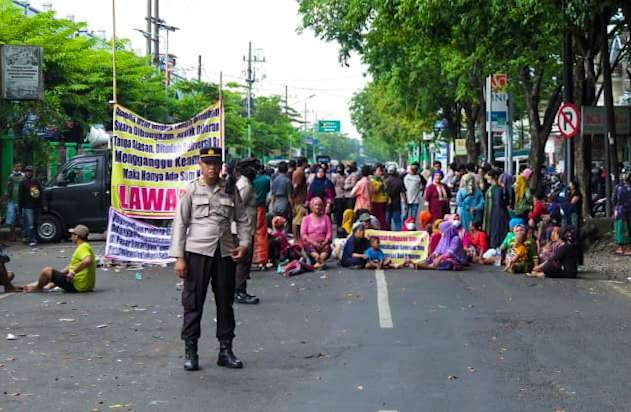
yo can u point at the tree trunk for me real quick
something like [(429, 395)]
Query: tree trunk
[(482, 120), (585, 95), (471, 118), (612, 163), (539, 130)]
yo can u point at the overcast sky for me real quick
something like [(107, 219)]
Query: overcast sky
[(220, 31)]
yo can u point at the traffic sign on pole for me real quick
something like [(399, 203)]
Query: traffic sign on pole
[(568, 120), (329, 126)]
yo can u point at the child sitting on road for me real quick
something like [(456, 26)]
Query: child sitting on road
[(376, 257)]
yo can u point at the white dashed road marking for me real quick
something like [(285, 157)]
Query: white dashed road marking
[(385, 317)]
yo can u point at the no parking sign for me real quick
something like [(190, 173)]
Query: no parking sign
[(568, 120)]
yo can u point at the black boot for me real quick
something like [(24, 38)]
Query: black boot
[(191, 359), (245, 298), (226, 357)]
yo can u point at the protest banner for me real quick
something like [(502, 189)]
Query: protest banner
[(401, 246), (132, 241), (151, 161)]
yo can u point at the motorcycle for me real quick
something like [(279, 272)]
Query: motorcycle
[(599, 206)]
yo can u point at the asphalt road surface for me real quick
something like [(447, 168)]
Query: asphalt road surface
[(340, 340)]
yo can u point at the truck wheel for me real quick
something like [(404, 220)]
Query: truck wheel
[(49, 229)]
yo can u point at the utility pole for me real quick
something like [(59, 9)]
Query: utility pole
[(199, 68), (609, 107), (489, 111), (287, 114), (156, 33), (148, 31), (568, 93), (167, 72), (250, 80)]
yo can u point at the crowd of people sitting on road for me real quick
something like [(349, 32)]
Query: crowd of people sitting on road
[(472, 215)]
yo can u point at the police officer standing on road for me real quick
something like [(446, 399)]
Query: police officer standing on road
[(203, 245)]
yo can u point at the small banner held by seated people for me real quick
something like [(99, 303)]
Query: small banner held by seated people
[(402, 246), (151, 161), (129, 240)]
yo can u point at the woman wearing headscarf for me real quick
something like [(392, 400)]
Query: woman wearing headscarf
[(495, 210), (425, 219), (355, 246), (523, 197), (449, 254), (316, 233), (437, 196), (323, 188), (435, 235), (564, 262), (347, 221), (469, 202), (622, 204)]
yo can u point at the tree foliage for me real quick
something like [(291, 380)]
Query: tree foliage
[(78, 88), (433, 56)]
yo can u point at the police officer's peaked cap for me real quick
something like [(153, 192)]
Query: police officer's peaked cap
[(210, 155)]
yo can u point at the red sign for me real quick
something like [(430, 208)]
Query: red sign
[(568, 120), (499, 82)]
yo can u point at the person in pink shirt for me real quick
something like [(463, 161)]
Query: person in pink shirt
[(363, 191), (316, 233)]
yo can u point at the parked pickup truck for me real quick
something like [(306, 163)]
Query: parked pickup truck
[(79, 194)]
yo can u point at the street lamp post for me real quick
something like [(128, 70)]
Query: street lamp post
[(305, 122)]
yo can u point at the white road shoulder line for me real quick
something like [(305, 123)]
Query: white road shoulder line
[(385, 317), (6, 295)]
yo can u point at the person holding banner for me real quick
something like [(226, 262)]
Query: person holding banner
[(356, 244), (204, 247)]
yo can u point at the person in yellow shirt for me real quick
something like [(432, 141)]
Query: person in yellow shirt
[(79, 275), (379, 197)]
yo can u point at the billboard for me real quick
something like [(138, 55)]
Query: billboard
[(22, 72)]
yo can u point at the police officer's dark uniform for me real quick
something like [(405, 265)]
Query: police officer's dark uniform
[(202, 236)]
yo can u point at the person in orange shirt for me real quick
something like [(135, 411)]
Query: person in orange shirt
[(363, 191)]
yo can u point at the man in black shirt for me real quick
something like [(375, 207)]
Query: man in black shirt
[(30, 203), (396, 195)]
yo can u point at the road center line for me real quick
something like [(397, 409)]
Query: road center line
[(385, 317)]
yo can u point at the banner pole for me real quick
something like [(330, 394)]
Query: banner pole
[(223, 140), (114, 85)]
